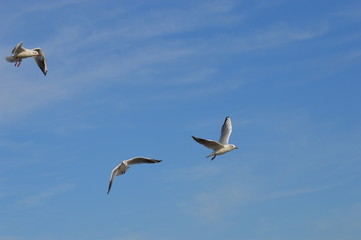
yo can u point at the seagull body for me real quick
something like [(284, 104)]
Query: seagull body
[(222, 146), (19, 53), (123, 167)]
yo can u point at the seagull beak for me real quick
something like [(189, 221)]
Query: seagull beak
[(236, 148)]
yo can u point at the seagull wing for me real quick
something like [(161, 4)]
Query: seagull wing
[(208, 143), (18, 49), (139, 160), (115, 172), (226, 131), (40, 60)]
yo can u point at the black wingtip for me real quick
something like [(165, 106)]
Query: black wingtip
[(225, 120), (110, 186)]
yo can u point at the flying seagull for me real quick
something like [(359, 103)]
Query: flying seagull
[(19, 53), (123, 167), (222, 146)]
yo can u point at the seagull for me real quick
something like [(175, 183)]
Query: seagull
[(19, 52), (123, 167), (222, 146)]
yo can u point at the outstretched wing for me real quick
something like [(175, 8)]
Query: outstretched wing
[(208, 143), (139, 160), (116, 171), (40, 60), (112, 176), (226, 131), (18, 49)]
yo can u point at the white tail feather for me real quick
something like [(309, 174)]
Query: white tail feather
[(10, 59)]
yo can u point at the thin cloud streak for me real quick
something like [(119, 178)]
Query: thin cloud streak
[(136, 64), (43, 6), (38, 199), (10, 238), (196, 92), (290, 193), (216, 204), (171, 21), (131, 237), (273, 36)]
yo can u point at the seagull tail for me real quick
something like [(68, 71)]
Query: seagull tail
[(210, 155), (10, 59)]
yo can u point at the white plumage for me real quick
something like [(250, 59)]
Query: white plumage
[(19, 53), (123, 167), (222, 146)]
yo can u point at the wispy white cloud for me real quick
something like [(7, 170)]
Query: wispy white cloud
[(2, 192), (167, 21), (218, 203), (21, 96), (131, 237), (213, 205), (26, 9), (129, 56), (275, 35), (270, 3), (332, 228), (40, 198), (14, 145), (292, 192), (197, 92), (7, 237), (353, 55), (351, 11)]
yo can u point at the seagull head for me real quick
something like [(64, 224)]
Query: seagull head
[(36, 53), (233, 146)]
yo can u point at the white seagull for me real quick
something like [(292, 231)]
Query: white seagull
[(222, 146), (19, 53), (123, 167)]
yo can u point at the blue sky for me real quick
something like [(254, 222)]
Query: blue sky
[(139, 78)]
